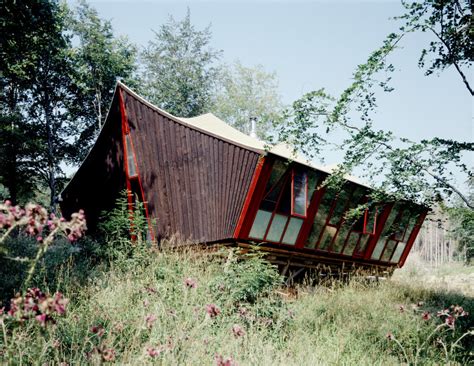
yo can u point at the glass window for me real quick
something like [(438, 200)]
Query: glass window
[(132, 169), (284, 205), (327, 237), (378, 248), (388, 250), (364, 241), (299, 197), (292, 231), (276, 228), (319, 220), (340, 207), (351, 243), (398, 252), (340, 238), (260, 224)]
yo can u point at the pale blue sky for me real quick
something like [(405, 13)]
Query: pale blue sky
[(314, 44)]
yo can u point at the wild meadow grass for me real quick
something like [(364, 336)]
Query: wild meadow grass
[(127, 302), (203, 307)]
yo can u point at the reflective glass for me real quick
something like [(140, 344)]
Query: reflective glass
[(388, 250), (132, 171), (378, 248), (300, 181), (351, 243), (260, 224), (319, 220), (292, 231), (398, 253), (326, 239), (276, 228)]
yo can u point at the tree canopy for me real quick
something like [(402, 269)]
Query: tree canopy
[(398, 167), (245, 93), (180, 68)]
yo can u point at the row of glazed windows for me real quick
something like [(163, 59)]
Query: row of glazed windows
[(284, 208)]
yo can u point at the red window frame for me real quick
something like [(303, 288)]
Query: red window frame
[(293, 196), (128, 140), (288, 175)]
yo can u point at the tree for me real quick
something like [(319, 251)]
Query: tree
[(452, 25), (179, 68), (100, 59), (462, 219), (245, 93), (23, 26), (49, 97), (398, 167)]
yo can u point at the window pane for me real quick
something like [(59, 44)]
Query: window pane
[(364, 241), (274, 186), (398, 252), (340, 238), (388, 250), (326, 239), (284, 206), (260, 224), (292, 231), (313, 179), (378, 248), (132, 171), (276, 228), (340, 207), (300, 181), (351, 243), (319, 220), (279, 168), (271, 199), (371, 219)]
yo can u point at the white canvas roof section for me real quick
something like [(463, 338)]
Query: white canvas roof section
[(212, 125)]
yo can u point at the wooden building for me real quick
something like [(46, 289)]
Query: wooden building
[(207, 182)]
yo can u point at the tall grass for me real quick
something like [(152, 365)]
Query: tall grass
[(155, 307), (195, 306)]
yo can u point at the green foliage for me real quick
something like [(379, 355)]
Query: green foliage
[(462, 220), (179, 71), (395, 166), (131, 312), (450, 22), (248, 92), (125, 229), (53, 93), (246, 278), (100, 59)]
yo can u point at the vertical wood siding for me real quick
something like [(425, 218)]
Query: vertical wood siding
[(195, 184), (99, 180)]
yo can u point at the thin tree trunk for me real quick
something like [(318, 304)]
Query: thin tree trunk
[(51, 160)]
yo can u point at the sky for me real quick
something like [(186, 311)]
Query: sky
[(314, 44)]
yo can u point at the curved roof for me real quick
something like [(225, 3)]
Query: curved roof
[(212, 125)]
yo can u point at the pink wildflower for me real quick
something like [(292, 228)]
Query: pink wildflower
[(149, 320), (108, 355), (426, 315), (212, 310), (449, 321), (238, 331), (98, 329), (190, 283), (42, 319), (153, 352), (220, 361)]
